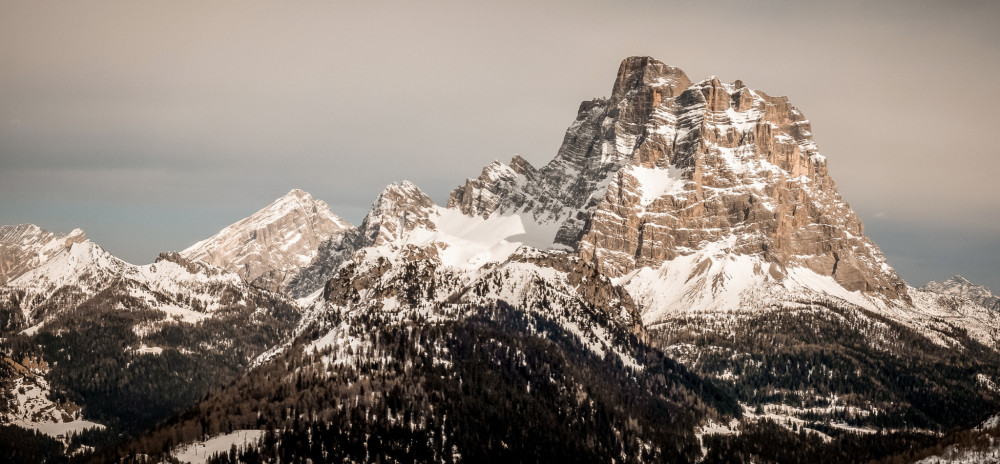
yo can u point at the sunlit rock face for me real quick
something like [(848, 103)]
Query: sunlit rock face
[(271, 246), (27, 246), (667, 168)]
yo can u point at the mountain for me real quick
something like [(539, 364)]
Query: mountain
[(682, 282), (703, 198), (270, 246), (93, 341), (27, 246), (961, 287), (398, 210), (66, 279), (399, 206), (715, 185), (437, 336), (686, 221), (194, 289)]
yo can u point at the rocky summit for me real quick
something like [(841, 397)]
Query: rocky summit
[(714, 161), (672, 175), (960, 287), (27, 246), (272, 245)]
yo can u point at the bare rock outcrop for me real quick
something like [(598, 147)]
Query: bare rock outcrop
[(960, 287), (272, 245), (721, 161), (26, 246), (666, 167), (400, 207)]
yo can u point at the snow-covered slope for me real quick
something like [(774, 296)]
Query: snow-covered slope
[(960, 287), (403, 215), (84, 264), (201, 451), (27, 246), (67, 279), (269, 247), (411, 255), (83, 270), (958, 304), (120, 334), (32, 408)]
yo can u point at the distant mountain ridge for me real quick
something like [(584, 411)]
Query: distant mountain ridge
[(27, 246), (269, 247), (90, 340), (961, 287)]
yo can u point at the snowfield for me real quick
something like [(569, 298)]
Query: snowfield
[(199, 452), (34, 410)]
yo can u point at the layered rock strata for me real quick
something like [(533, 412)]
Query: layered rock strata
[(666, 167)]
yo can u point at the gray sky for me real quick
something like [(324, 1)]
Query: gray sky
[(152, 125)]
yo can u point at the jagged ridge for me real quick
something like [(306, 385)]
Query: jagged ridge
[(27, 246), (269, 247)]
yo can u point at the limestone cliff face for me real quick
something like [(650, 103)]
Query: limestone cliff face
[(720, 161), (666, 167), (269, 247), (25, 247), (601, 140), (400, 207)]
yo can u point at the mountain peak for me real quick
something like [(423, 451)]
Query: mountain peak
[(959, 278), (12, 233), (959, 286), (401, 186), (297, 194), (746, 162), (400, 207), (400, 196), (638, 73), (24, 247), (666, 171), (294, 199), (269, 246), (84, 264)]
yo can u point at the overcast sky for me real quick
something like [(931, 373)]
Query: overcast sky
[(152, 125)]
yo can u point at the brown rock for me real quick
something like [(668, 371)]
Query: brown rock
[(25, 247)]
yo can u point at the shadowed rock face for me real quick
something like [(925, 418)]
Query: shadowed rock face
[(272, 245), (599, 143), (25, 247), (400, 207), (665, 167)]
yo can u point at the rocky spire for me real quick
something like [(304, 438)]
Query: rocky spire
[(401, 207)]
